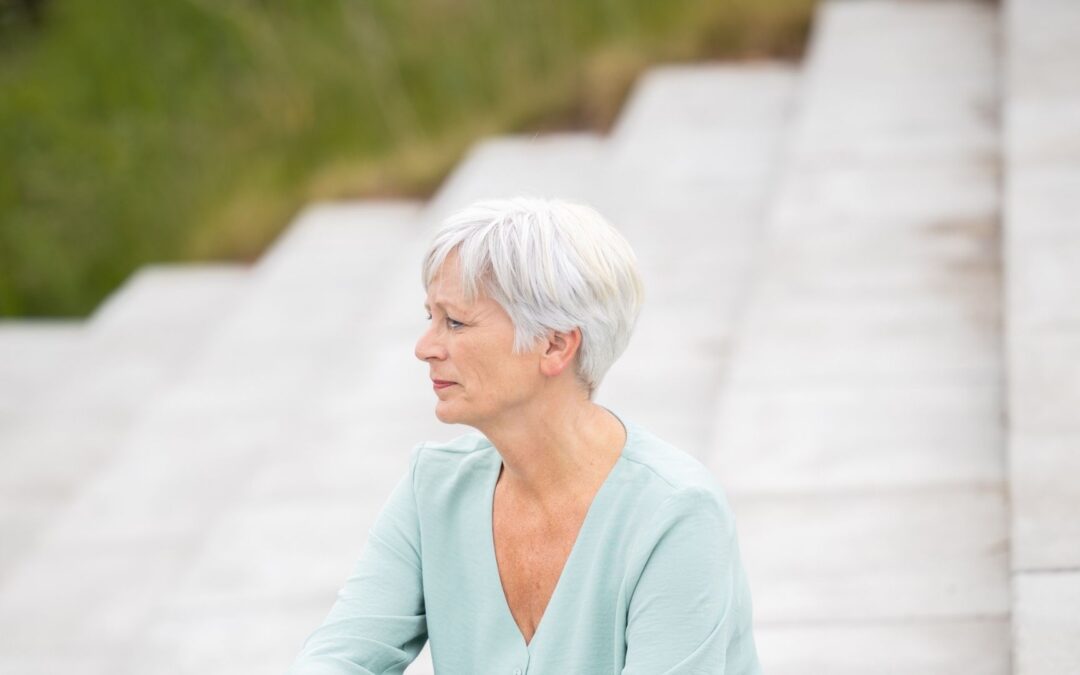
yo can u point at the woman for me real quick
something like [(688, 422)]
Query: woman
[(560, 538)]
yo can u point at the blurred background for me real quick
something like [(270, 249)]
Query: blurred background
[(855, 220), (185, 130)]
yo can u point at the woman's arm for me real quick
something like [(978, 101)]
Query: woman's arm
[(690, 609), (378, 623)]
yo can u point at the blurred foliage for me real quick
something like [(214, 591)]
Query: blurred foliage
[(19, 15), (172, 130)]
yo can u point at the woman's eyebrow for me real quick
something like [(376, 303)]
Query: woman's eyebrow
[(443, 305)]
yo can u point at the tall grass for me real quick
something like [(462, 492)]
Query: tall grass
[(135, 132)]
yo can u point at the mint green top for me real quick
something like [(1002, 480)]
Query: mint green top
[(653, 584)]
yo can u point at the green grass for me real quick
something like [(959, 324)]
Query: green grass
[(175, 130)]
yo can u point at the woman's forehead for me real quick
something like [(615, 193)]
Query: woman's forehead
[(451, 298), (448, 296), (445, 288)]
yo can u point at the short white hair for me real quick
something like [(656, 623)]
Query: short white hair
[(552, 265)]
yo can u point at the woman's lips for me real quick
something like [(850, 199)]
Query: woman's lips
[(442, 384)]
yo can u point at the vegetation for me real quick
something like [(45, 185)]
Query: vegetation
[(174, 130)]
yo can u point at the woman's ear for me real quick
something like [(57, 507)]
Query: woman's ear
[(560, 351)]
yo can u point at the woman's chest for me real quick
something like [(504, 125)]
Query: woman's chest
[(531, 560)]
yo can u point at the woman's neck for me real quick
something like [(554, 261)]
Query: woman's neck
[(556, 456)]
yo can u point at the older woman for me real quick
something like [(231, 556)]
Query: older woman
[(559, 538)]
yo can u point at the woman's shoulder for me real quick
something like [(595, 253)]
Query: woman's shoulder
[(666, 474), (447, 465), (673, 468)]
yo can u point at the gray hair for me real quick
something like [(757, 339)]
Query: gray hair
[(552, 265)]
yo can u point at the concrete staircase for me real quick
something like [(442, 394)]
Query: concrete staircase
[(81, 402), (862, 313), (860, 431)]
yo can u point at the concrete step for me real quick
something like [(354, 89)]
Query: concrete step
[(160, 297), (563, 165), (1042, 254), (706, 124), (860, 431), (33, 353), (130, 349)]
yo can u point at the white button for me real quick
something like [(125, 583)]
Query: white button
[(517, 671)]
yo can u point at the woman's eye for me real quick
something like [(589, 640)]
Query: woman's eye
[(452, 323)]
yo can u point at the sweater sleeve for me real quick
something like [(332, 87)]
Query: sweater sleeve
[(378, 623), (690, 609)]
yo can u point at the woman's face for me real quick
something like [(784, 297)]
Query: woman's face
[(471, 345)]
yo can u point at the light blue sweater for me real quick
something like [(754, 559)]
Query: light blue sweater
[(653, 584)]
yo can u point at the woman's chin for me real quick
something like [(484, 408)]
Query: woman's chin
[(445, 413)]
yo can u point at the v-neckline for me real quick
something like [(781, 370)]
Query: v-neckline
[(493, 557)]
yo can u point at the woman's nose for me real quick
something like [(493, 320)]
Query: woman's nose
[(427, 346)]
